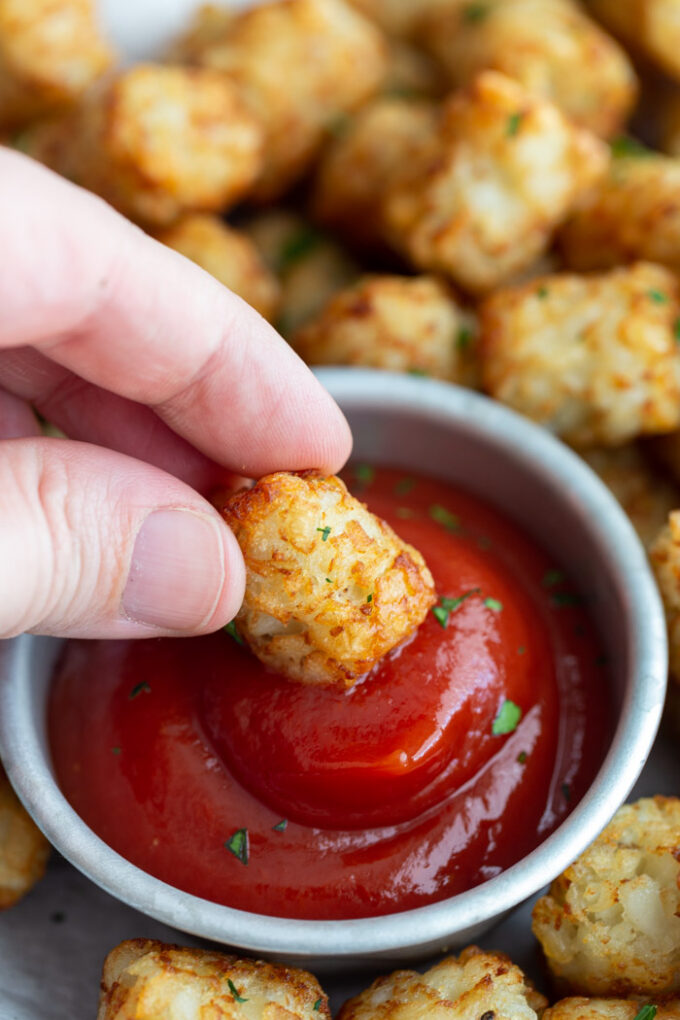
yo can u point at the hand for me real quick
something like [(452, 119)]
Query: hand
[(165, 382)]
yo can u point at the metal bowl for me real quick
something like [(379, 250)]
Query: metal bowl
[(464, 438)]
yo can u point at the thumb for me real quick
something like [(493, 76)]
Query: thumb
[(97, 544)]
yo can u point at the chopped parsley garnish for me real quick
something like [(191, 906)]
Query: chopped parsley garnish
[(542, 292), (625, 146), (138, 689), (676, 329), (521, 650), (493, 604), (317, 1005), (404, 486), (417, 371), (522, 757), (234, 992), (238, 845), (364, 474), (552, 577), (658, 296), (404, 512), (566, 791), (325, 532), (474, 13), (280, 826), (443, 516), (298, 246), (647, 1012), (233, 632), (447, 605), (329, 581), (484, 542), (507, 719), (115, 750), (514, 123), (464, 338), (369, 598), (565, 598)]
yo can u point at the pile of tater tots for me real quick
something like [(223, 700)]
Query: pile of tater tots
[(470, 190)]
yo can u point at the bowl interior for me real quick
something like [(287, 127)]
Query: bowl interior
[(456, 435)]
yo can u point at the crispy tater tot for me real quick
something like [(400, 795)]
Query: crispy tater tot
[(643, 492), (356, 167), (156, 141), (551, 46), (228, 255), (147, 980), (400, 323), (330, 588), (593, 358), (50, 51), (475, 985), (310, 266), (650, 27), (609, 1009), (664, 553), (301, 65), (610, 924), (634, 213), (506, 169), (23, 848)]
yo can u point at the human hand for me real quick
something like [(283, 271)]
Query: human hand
[(165, 382)]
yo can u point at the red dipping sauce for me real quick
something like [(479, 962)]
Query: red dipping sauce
[(209, 771)]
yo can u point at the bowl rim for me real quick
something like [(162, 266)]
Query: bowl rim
[(27, 766)]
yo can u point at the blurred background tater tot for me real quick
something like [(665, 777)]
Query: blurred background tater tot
[(23, 848)]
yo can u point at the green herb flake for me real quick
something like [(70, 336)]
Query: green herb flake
[(658, 296), (441, 615), (514, 123), (404, 486), (624, 146), (507, 719), (142, 688), (417, 371), (522, 757), (444, 517), (325, 532), (647, 1012), (369, 598), (493, 604), (364, 474), (552, 577), (566, 791), (464, 338), (234, 992), (232, 631), (238, 845), (115, 750), (317, 1005), (474, 13), (280, 826), (542, 293), (449, 605), (676, 330), (561, 599), (297, 247), (329, 580), (521, 650), (483, 542), (404, 512)]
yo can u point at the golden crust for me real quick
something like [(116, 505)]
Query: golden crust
[(550, 46), (301, 65), (330, 588), (665, 556), (608, 1009), (157, 141), (650, 27), (610, 924), (634, 213), (476, 984), (593, 358), (357, 167), (143, 979), (228, 255), (50, 51), (504, 172), (23, 848), (399, 323)]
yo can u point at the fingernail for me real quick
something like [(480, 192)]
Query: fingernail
[(177, 571)]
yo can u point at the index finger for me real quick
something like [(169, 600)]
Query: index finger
[(99, 297)]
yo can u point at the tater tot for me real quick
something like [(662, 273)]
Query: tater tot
[(651, 27), (301, 65), (330, 588), (477, 984), (609, 1009), (634, 213), (610, 924), (356, 167), (665, 556), (506, 170), (50, 51), (593, 358), (228, 255), (157, 141), (399, 323), (23, 848), (550, 46), (209, 23), (643, 492), (146, 980)]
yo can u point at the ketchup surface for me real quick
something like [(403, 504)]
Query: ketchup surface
[(201, 766)]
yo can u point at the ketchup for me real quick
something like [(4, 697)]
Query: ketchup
[(453, 759)]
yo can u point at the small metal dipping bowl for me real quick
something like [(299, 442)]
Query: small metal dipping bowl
[(464, 438)]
